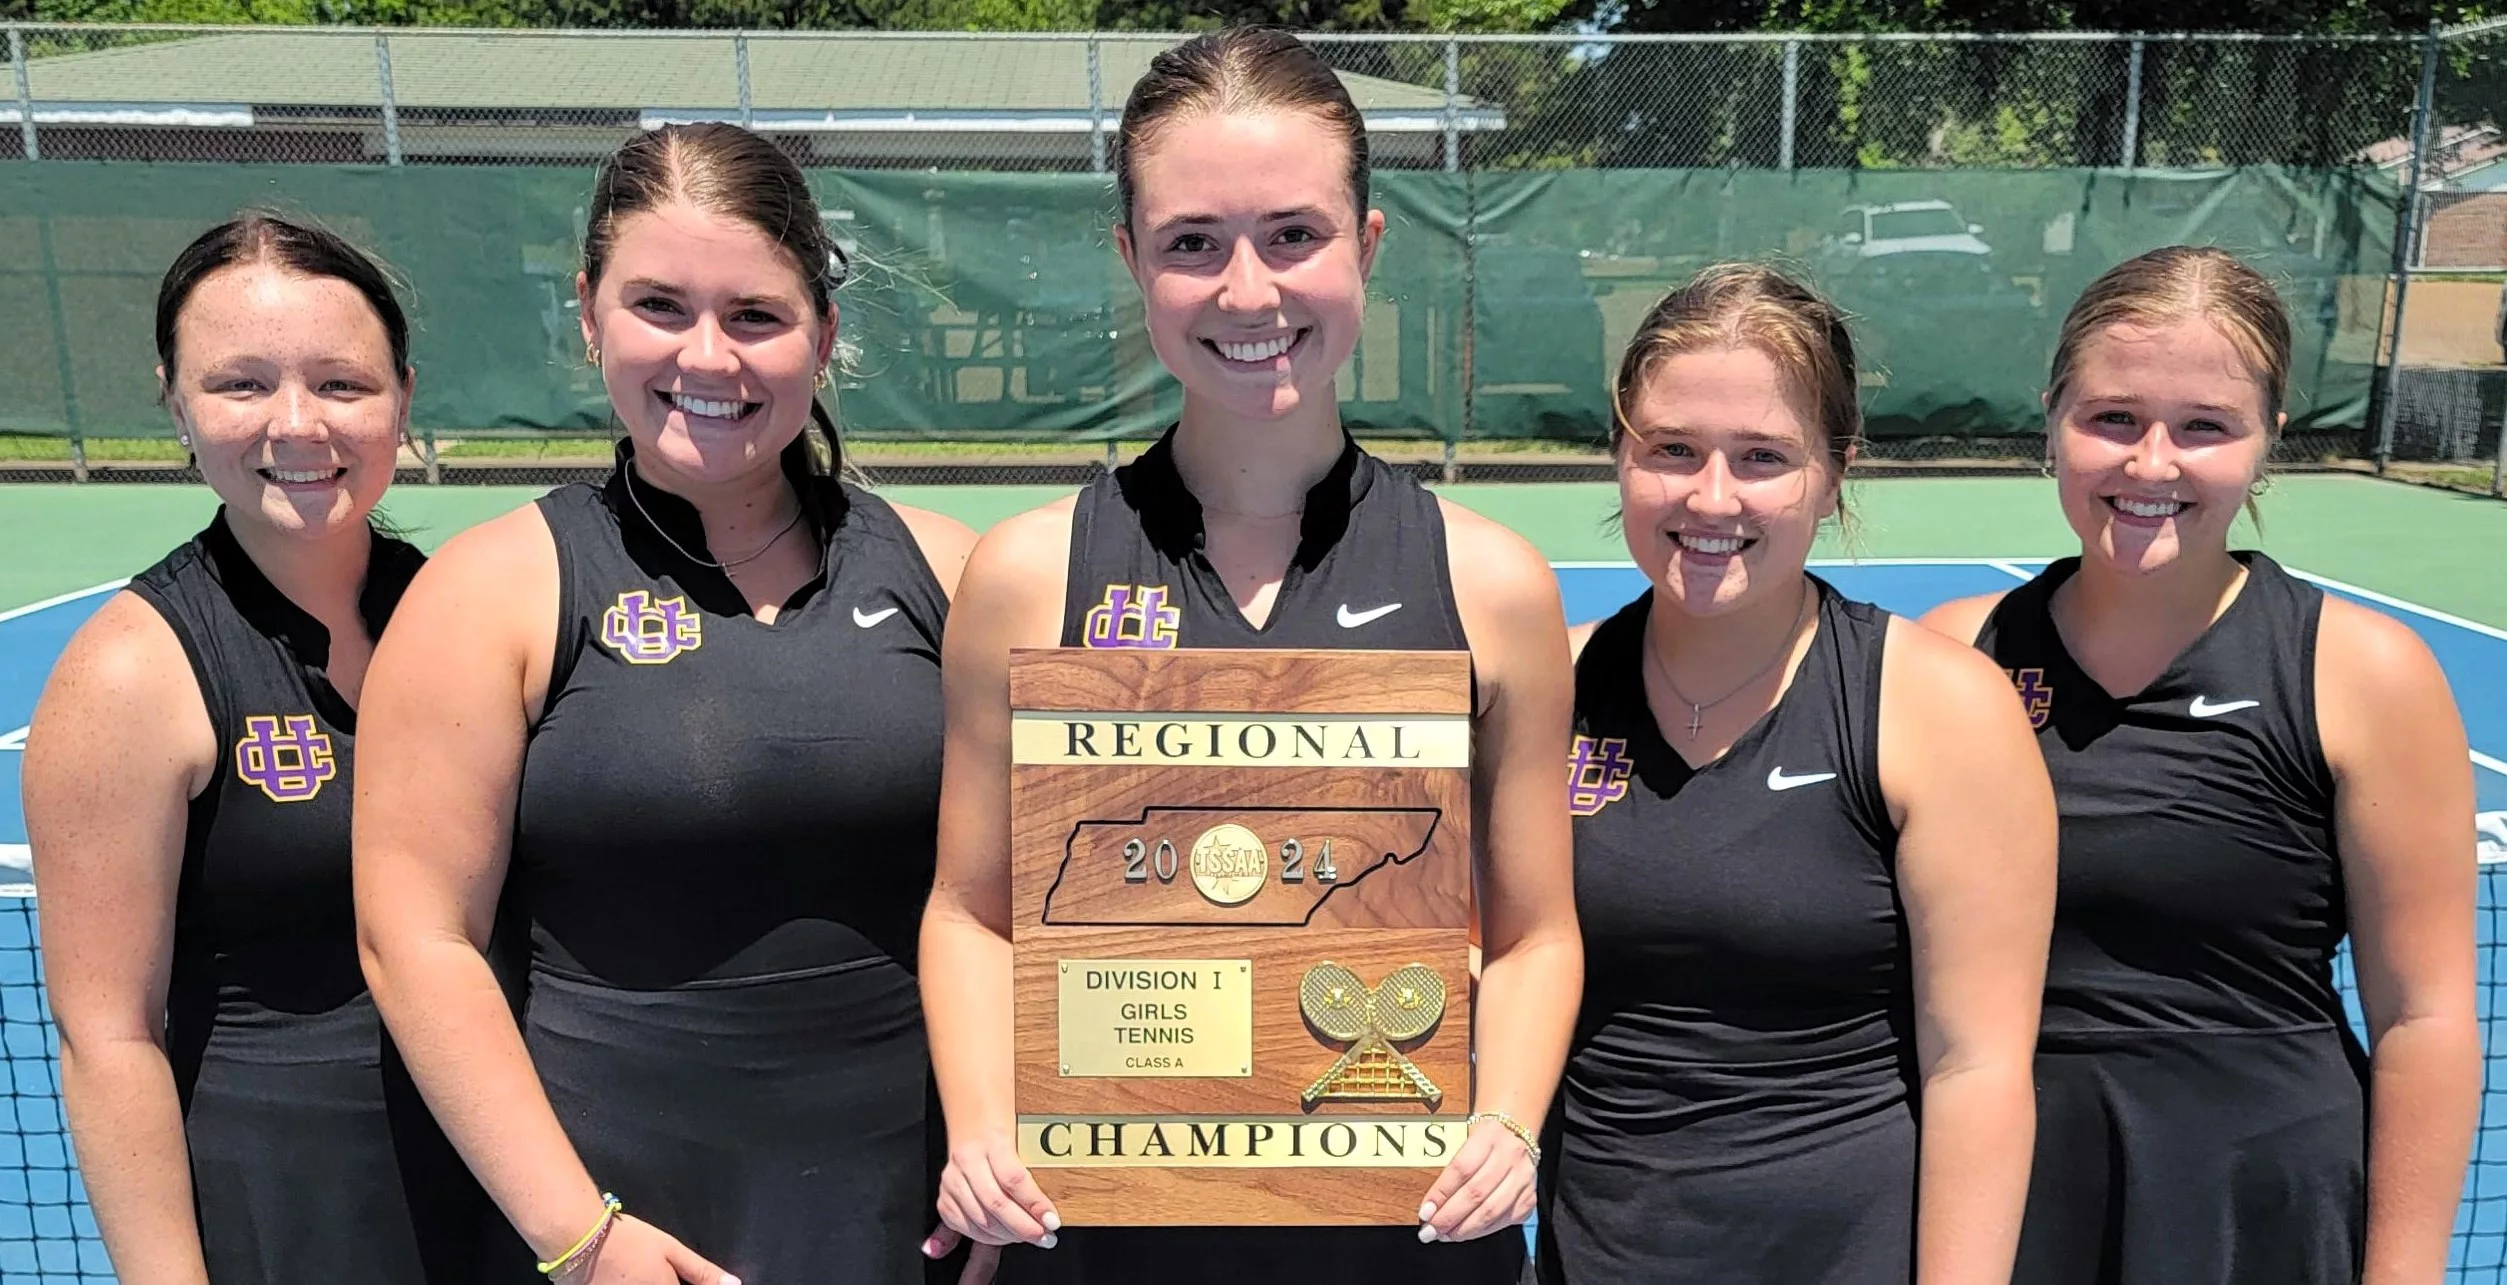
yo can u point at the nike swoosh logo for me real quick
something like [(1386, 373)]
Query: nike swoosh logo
[(871, 618), (1353, 619), (1777, 780), (2203, 708)]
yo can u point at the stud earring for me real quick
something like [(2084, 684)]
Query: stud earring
[(820, 381)]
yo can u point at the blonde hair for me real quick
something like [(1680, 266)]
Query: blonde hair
[(2176, 283), (1748, 305)]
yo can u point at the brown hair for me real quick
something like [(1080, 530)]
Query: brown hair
[(1238, 70), (1747, 305), (2174, 283), (258, 236), (726, 170)]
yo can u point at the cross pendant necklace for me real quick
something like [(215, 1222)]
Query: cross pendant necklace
[(1697, 709)]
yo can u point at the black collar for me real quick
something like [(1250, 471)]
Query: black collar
[(1172, 517), (822, 500), (390, 565)]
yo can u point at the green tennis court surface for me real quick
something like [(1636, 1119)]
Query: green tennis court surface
[(2434, 560)]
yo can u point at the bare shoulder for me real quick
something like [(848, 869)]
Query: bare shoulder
[(1958, 685), (945, 542), (1960, 618), (1494, 568), (125, 660), (122, 692), (2367, 655), (1017, 572), (494, 587), (2377, 685)]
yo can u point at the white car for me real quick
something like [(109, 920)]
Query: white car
[(1868, 232)]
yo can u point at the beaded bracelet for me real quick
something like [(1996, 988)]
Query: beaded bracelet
[(1522, 1134), (609, 1210)]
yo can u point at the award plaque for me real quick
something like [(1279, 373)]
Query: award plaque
[(1241, 910)]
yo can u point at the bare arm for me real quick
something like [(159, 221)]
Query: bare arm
[(449, 700), (2403, 801), (1011, 596), (1976, 859), (1532, 966), (945, 543), (119, 746), (1961, 618)]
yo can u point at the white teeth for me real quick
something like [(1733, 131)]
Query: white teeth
[(302, 475), (2149, 508), (709, 409), (1716, 544), (1264, 351)]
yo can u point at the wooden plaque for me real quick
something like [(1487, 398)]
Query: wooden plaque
[(1241, 914)]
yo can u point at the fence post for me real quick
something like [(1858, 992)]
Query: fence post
[(1453, 97), (25, 94), (2498, 464), (2406, 245), (1792, 103), (391, 104), (740, 59), (1096, 111), (2131, 151)]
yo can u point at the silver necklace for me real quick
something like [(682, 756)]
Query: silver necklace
[(1697, 709), (664, 533)]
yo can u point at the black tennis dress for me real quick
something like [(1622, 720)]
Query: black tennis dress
[(1369, 573), (2201, 1099), (312, 1156), (1739, 1099), (724, 841)]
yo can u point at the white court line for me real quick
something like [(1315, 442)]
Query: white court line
[(14, 859), (2402, 605), (15, 740), (56, 600), (2483, 760), (2012, 570)]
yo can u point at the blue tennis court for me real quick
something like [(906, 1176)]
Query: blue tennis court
[(47, 1234)]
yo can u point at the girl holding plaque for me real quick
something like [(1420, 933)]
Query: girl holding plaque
[(1256, 522), (2249, 770), (1814, 860)]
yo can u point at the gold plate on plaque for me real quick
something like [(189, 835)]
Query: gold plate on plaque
[(1184, 1018)]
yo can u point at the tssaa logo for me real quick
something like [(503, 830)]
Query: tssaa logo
[(286, 757), (1133, 616), (651, 631)]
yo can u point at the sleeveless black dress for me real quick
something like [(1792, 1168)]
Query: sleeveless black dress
[(312, 1156), (724, 839), (1739, 1099), (1369, 573), (2201, 1101)]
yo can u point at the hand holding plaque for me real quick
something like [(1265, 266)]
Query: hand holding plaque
[(1240, 938)]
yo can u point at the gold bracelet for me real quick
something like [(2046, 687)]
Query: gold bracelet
[(609, 1210), (1522, 1134)]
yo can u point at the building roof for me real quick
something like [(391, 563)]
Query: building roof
[(831, 80)]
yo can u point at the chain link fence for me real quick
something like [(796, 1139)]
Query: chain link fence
[(1954, 192)]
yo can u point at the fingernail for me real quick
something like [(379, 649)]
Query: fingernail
[(1427, 1234), (1049, 1241), (1053, 1221), (1427, 1210), (729, 1279), (931, 1248)]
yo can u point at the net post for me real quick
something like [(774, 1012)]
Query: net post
[(1096, 109), (391, 104), (25, 94), (2406, 246), (1453, 104), (2130, 152), (1791, 118), (740, 60)]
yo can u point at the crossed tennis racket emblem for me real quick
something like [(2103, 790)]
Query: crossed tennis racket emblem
[(1405, 1006)]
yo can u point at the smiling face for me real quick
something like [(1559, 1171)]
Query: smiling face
[(1723, 480), (709, 345), (285, 385), (1251, 258), (2160, 433)]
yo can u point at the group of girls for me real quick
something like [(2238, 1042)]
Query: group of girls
[(621, 894)]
